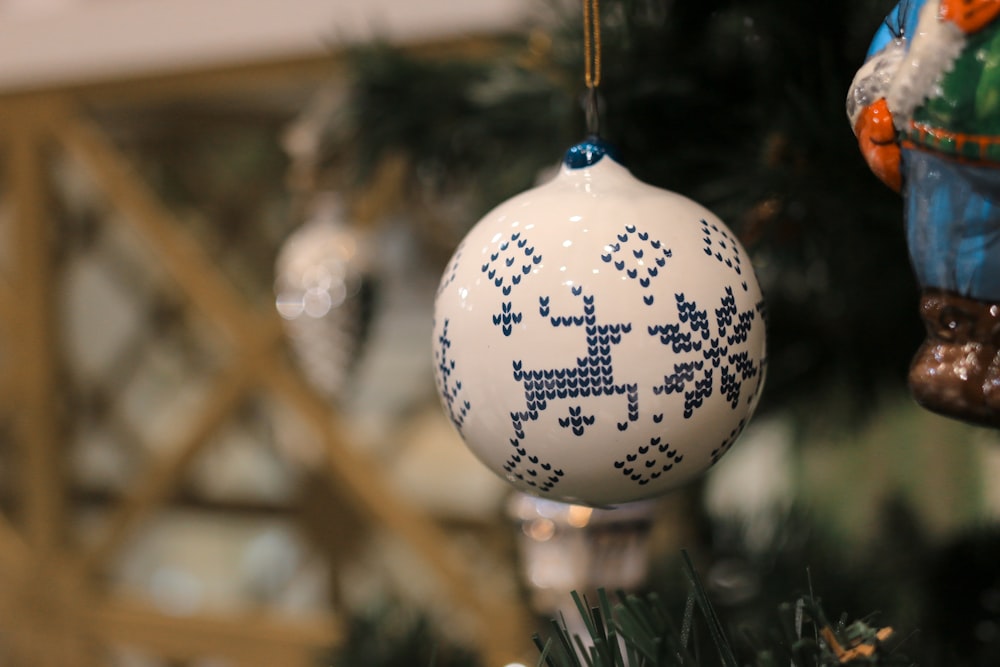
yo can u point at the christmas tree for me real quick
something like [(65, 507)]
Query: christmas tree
[(739, 105)]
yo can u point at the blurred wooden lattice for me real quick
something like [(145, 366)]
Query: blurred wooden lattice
[(56, 605)]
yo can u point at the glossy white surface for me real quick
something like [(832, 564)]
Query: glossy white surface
[(598, 340)]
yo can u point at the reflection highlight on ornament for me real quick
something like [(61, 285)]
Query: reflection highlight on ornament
[(540, 530), (314, 290), (578, 516)]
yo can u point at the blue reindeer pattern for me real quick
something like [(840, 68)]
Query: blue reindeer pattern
[(645, 463), (695, 378), (512, 261), (450, 388), (591, 375), (642, 263), (724, 446), (705, 343), (722, 246)]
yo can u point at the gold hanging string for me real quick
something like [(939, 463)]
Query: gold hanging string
[(592, 42), (592, 62)]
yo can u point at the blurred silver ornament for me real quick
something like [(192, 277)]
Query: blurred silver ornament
[(323, 293), (565, 547)]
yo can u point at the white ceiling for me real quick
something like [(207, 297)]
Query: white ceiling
[(50, 42)]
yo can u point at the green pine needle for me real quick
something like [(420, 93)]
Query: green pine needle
[(639, 631)]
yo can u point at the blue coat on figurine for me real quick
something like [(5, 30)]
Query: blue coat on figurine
[(925, 108)]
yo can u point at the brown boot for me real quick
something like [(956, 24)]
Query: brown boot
[(955, 373), (991, 384)]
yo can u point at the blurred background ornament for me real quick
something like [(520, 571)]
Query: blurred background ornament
[(323, 294), (926, 113), (599, 340), (564, 548)]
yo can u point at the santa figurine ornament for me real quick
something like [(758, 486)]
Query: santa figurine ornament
[(925, 108)]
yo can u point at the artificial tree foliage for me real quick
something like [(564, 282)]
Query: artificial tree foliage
[(732, 603), (738, 104)]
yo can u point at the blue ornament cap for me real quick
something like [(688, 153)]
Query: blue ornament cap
[(589, 152)]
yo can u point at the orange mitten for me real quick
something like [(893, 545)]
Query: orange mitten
[(877, 140)]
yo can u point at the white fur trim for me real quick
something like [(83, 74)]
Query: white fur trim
[(872, 81), (931, 54)]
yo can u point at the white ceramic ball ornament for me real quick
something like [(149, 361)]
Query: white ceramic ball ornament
[(598, 340)]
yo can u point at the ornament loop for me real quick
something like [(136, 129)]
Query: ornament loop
[(592, 64), (591, 109), (592, 43)]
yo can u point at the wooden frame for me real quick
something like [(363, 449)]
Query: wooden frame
[(71, 604)]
